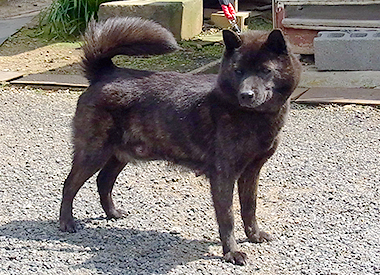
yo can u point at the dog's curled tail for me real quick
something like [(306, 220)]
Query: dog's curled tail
[(125, 36)]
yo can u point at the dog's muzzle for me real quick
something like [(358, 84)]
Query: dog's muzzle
[(247, 98), (253, 98), (253, 93)]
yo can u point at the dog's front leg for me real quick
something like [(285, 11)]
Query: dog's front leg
[(222, 194), (247, 185)]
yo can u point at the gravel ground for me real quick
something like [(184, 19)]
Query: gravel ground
[(319, 197)]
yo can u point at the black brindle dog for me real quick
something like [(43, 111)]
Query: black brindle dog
[(225, 127)]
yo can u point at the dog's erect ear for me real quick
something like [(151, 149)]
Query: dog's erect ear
[(276, 43), (231, 40)]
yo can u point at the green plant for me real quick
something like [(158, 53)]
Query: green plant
[(259, 23), (68, 18), (191, 56)]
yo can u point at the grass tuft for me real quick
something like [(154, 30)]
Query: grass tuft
[(192, 56), (66, 19)]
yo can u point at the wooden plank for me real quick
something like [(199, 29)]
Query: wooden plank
[(77, 81), (340, 101), (341, 95), (7, 76), (297, 93)]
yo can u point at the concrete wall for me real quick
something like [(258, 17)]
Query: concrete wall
[(184, 18)]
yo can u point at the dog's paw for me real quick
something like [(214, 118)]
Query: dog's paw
[(116, 214), (236, 257), (260, 237), (68, 226)]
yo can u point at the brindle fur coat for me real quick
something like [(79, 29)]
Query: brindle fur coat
[(224, 127)]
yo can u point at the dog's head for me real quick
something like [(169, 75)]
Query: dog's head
[(257, 71)]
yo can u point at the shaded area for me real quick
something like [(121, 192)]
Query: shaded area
[(107, 250)]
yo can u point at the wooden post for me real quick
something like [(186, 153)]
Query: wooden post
[(236, 5)]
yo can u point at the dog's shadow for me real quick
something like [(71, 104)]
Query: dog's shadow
[(112, 249)]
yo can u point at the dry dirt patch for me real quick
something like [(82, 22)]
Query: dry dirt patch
[(12, 8), (42, 59)]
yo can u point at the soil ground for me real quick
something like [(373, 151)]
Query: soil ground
[(12, 8), (28, 52)]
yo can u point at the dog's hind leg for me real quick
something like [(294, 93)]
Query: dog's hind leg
[(84, 166), (106, 179), (247, 185)]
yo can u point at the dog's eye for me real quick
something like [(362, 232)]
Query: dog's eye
[(266, 71), (239, 72)]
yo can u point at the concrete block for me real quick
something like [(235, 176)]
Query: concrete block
[(221, 21), (184, 18), (347, 50)]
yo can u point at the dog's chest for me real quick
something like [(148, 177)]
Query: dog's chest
[(244, 136)]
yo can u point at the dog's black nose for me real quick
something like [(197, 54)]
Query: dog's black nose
[(247, 97)]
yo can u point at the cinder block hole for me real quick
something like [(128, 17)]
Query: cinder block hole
[(336, 34), (360, 34), (376, 34)]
